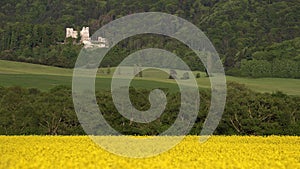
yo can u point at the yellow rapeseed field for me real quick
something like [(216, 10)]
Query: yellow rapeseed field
[(248, 152)]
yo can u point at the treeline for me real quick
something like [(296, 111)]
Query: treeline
[(264, 30), (277, 60), (282, 68), (30, 111)]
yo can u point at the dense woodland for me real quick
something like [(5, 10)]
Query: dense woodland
[(255, 38), (30, 111)]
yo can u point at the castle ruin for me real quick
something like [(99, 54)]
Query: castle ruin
[(85, 34), (85, 38), (70, 33)]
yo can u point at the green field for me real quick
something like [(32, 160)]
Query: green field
[(46, 77)]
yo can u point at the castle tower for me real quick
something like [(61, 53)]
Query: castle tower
[(70, 33), (85, 34)]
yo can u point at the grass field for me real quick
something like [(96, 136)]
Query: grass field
[(224, 152), (46, 77)]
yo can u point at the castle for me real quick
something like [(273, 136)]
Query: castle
[(70, 33), (85, 38)]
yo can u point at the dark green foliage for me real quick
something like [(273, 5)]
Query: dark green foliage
[(33, 31), (30, 111), (283, 68), (278, 60), (256, 68), (259, 114)]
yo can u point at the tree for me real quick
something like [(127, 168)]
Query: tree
[(185, 76), (140, 70), (108, 71), (173, 74)]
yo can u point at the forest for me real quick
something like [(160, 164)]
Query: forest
[(254, 38), (34, 112)]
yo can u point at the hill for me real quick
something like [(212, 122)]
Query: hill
[(245, 33)]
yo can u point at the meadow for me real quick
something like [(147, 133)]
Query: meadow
[(46, 77), (224, 152)]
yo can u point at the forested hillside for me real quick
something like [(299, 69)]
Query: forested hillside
[(255, 38)]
